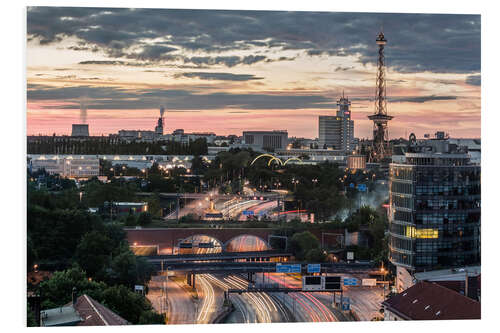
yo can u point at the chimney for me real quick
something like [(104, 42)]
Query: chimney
[(73, 296)]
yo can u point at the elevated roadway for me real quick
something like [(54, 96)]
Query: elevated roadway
[(254, 267), (252, 256)]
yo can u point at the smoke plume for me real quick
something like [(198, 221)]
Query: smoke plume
[(83, 110)]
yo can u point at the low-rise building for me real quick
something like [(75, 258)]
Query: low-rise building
[(125, 208), (83, 311), (277, 139)]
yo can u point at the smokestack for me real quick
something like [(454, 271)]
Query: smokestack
[(162, 110)]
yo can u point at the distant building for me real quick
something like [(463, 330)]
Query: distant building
[(356, 161), (430, 301), (337, 131), (83, 311), (125, 208), (67, 166), (435, 201), (80, 130), (180, 136), (277, 139)]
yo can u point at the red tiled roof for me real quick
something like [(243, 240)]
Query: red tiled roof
[(94, 313), (430, 301)]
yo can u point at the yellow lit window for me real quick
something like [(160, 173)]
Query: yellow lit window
[(410, 232), (427, 233)]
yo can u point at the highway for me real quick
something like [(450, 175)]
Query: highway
[(250, 307), (305, 307)]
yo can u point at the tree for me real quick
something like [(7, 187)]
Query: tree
[(93, 253), (123, 269), (126, 303), (144, 219), (151, 318), (302, 242), (315, 255), (131, 220), (58, 289)]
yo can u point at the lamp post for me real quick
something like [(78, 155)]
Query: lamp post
[(384, 272)]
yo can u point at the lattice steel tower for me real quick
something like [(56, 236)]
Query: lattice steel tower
[(380, 118)]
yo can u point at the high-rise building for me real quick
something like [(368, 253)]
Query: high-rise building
[(337, 132), (435, 207)]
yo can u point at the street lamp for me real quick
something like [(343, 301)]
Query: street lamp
[(314, 181)]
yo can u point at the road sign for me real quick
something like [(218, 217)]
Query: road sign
[(247, 212), (312, 283), (369, 282), (350, 255), (313, 268), (350, 282), (139, 287), (362, 187), (332, 283), (293, 268), (351, 185)]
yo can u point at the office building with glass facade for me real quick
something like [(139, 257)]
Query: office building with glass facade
[(435, 207)]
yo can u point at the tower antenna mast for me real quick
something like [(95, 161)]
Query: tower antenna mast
[(380, 117)]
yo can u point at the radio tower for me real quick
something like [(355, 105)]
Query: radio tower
[(380, 117)]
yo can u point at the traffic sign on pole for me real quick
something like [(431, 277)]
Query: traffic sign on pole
[(291, 268), (350, 282), (247, 212), (313, 268)]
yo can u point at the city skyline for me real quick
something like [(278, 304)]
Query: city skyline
[(262, 71)]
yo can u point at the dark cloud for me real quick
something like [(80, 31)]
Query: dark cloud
[(219, 76), (473, 80), (128, 99), (421, 99), (416, 42)]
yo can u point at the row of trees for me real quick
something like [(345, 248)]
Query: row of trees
[(107, 145)]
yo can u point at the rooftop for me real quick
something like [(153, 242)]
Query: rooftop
[(430, 301), (86, 312)]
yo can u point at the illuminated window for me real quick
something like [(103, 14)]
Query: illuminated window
[(410, 232), (427, 233)]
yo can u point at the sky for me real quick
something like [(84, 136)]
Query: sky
[(230, 71)]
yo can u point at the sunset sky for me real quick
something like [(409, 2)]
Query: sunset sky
[(229, 71)]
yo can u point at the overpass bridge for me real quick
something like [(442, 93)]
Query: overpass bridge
[(174, 195), (250, 268), (256, 267), (168, 238), (224, 256)]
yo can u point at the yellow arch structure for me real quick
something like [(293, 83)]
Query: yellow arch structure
[(262, 155), (278, 160), (292, 158)]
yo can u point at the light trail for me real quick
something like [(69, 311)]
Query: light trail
[(208, 303), (304, 298)]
